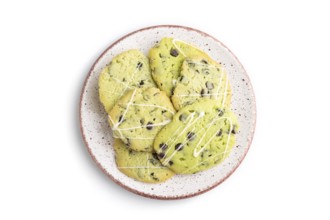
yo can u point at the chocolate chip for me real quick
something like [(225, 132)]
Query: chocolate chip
[(128, 142), (154, 155), (219, 133), (181, 78), (183, 117), (178, 147), (149, 125), (174, 52), (170, 162), (120, 118), (161, 155), (220, 112), (139, 65), (203, 92), (141, 82), (172, 91), (205, 71), (163, 146), (152, 174), (191, 136), (163, 111), (209, 85), (204, 61), (233, 131), (191, 65)]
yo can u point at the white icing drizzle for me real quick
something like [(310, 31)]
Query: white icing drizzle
[(215, 94), (158, 106), (176, 46), (144, 126), (125, 84), (112, 122)]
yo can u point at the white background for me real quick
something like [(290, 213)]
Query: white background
[(46, 50)]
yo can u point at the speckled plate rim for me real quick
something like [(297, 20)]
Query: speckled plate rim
[(134, 190)]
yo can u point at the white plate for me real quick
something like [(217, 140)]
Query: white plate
[(98, 136)]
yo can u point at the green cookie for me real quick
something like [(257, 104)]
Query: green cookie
[(166, 60), (126, 71), (200, 136)]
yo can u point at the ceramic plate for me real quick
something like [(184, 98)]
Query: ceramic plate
[(98, 135)]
